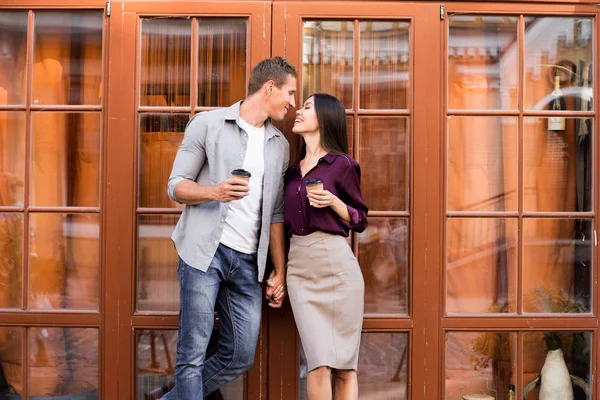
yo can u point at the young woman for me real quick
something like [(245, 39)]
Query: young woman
[(325, 283)]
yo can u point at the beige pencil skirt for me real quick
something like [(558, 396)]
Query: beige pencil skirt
[(326, 290)]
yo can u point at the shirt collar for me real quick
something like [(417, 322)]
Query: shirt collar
[(329, 157), (233, 114)]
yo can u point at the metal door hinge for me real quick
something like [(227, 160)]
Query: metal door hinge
[(108, 8), (442, 15)]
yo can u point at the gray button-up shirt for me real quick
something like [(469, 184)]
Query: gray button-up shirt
[(214, 144)]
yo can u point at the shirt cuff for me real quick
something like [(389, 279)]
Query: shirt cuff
[(277, 218), (171, 188), (355, 218)]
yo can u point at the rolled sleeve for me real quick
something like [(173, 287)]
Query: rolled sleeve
[(190, 157), (350, 194), (278, 210)]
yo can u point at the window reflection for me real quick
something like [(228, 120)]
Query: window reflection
[(557, 171), (63, 362), (65, 165), (222, 53), (11, 360), (64, 261), (557, 265), (483, 62), (11, 260), (482, 163), (481, 264), (384, 64), (160, 137), (12, 158), (327, 59), (156, 282), (13, 45), (67, 65), (480, 362), (165, 70), (383, 255), (384, 158), (563, 46)]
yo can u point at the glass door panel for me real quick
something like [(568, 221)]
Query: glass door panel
[(519, 215), (51, 139), (188, 63), (366, 57)]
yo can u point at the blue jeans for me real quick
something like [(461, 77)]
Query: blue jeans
[(230, 286)]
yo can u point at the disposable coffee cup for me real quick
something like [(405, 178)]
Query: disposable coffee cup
[(241, 174), (313, 184)]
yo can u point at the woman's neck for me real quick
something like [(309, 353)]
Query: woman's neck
[(314, 148)]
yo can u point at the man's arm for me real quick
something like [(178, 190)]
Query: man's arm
[(276, 282), (191, 156)]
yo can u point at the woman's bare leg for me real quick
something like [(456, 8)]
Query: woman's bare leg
[(346, 384), (318, 384)]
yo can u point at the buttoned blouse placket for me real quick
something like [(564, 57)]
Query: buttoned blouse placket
[(304, 203)]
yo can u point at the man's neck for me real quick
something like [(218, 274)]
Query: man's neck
[(252, 111)]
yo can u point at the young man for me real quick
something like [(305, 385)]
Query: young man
[(226, 227)]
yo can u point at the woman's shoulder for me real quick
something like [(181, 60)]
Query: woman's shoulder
[(346, 160)]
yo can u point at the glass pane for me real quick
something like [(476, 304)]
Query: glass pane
[(222, 46), (160, 137), (327, 59), (559, 51), (11, 261), (483, 64), (557, 265), (64, 261), (383, 365), (384, 161), (63, 362), (13, 54), (155, 362), (68, 65), (482, 163), (476, 360), (481, 265), (157, 283), (12, 158), (384, 64), (155, 359), (65, 159), (576, 352), (165, 69), (383, 255), (557, 166), (11, 361)]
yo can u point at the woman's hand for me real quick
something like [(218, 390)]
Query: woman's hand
[(324, 198), (321, 198)]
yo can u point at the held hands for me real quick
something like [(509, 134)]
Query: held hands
[(275, 290), (231, 189), (321, 198)]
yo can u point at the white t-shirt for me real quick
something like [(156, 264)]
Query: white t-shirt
[(242, 223)]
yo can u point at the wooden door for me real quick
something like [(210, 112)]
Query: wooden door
[(174, 59)]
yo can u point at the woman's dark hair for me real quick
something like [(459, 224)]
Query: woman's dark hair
[(331, 116)]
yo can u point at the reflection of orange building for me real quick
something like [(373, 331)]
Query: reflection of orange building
[(481, 233)]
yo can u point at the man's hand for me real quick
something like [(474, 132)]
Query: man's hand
[(276, 289), (231, 189)]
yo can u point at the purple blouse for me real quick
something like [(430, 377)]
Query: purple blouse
[(341, 176)]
